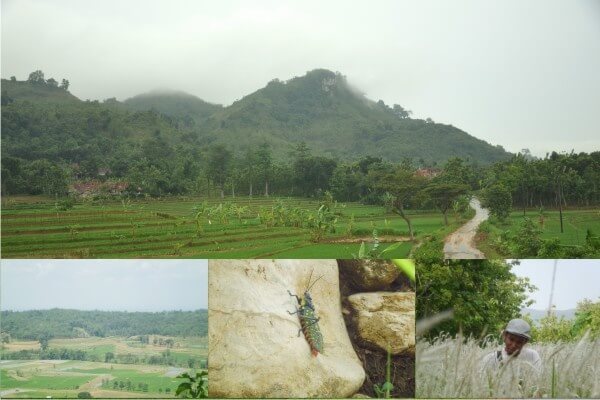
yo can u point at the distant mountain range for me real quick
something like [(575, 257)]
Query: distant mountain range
[(537, 315), (320, 109)]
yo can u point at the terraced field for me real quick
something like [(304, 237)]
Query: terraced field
[(185, 227), (67, 378)]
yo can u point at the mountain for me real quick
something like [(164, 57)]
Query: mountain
[(321, 109), (537, 315), (37, 93), (174, 103), (334, 119)]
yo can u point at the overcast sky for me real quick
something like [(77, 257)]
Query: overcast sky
[(115, 285), (575, 280), (520, 74)]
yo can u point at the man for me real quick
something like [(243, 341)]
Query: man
[(516, 334)]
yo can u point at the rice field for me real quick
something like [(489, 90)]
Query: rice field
[(452, 368), (159, 228), (575, 224), (67, 378)]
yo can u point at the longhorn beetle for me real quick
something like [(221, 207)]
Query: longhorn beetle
[(308, 319)]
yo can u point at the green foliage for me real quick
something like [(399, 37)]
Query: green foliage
[(43, 324), (161, 143), (499, 200), (443, 195), (552, 329), (383, 391), (484, 294), (195, 388), (84, 395), (587, 318), (526, 242)]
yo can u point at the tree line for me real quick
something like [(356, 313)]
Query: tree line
[(61, 323)]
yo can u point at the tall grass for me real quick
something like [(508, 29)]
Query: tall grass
[(452, 368)]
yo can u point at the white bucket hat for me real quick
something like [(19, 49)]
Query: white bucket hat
[(519, 327)]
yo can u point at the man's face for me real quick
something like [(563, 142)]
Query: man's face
[(513, 343)]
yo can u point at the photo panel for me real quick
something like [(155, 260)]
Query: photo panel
[(508, 329), (103, 328), (311, 328)]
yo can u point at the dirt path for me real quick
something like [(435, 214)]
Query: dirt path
[(95, 383), (459, 244)]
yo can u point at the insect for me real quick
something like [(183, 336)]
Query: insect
[(309, 321)]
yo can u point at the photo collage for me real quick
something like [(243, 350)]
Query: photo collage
[(226, 200)]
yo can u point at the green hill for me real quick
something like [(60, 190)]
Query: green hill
[(320, 109), (333, 118), (38, 93), (171, 142), (63, 323), (190, 109)]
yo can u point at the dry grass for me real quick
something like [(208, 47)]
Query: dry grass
[(451, 368)]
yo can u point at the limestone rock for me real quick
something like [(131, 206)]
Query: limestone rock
[(369, 275), (383, 318), (254, 347)]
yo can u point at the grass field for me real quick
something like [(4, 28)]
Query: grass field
[(184, 348), (41, 378), (37, 228), (66, 378), (575, 225), (451, 368)]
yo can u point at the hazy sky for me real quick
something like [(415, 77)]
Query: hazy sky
[(520, 74), (117, 285), (575, 280)]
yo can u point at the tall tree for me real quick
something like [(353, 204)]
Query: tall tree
[(264, 159), (219, 159), (443, 195), (483, 294), (402, 184), (36, 77)]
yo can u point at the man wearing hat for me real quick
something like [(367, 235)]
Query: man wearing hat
[(516, 334)]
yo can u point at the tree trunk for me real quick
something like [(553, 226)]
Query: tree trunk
[(446, 217), (399, 209), (266, 188), (250, 194)]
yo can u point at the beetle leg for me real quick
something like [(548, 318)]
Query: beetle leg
[(296, 296)]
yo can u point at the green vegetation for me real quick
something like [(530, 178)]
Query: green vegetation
[(483, 294), (168, 144), (538, 235), (558, 199), (60, 323), (187, 227), (312, 137), (67, 379), (195, 388)]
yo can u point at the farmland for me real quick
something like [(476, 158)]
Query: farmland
[(242, 227), (495, 237), (451, 368), (67, 378)]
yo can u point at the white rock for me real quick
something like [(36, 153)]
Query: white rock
[(385, 318), (254, 348)]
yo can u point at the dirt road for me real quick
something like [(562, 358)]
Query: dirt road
[(459, 244)]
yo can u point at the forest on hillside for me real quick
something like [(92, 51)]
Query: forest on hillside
[(62, 323), (177, 144)]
